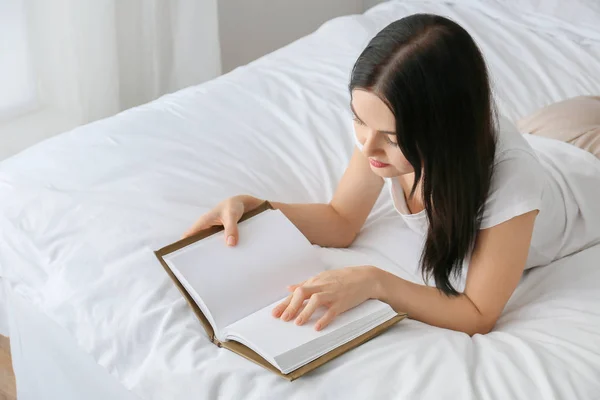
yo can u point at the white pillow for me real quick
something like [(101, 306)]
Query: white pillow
[(577, 12)]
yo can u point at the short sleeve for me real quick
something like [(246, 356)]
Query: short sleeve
[(517, 188)]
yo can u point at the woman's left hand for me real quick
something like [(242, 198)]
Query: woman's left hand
[(338, 290)]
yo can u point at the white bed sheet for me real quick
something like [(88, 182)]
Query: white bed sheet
[(82, 212), (48, 365)]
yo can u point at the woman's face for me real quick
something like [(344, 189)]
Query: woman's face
[(375, 128)]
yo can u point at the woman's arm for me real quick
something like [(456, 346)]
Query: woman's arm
[(494, 271), (336, 224)]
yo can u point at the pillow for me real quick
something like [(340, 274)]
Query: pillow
[(575, 120), (577, 12)]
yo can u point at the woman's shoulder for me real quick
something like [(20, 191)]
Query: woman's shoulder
[(510, 143), (515, 160), (518, 179)]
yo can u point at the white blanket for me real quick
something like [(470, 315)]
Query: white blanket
[(81, 214)]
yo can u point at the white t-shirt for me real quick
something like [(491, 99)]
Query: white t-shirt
[(532, 173)]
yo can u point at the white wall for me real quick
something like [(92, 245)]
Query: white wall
[(370, 3), (251, 29)]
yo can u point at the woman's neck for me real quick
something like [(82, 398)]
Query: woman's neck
[(414, 205)]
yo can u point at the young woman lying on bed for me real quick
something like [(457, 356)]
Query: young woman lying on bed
[(469, 183)]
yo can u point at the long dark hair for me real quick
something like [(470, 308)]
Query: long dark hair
[(432, 76)]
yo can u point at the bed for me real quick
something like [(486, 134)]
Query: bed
[(91, 314)]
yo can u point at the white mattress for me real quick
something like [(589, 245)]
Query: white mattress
[(81, 214)]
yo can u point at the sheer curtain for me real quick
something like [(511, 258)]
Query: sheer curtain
[(68, 62)]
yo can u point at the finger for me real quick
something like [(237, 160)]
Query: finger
[(278, 310), (230, 221), (300, 294), (205, 221), (291, 288), (281, 306), (315, 301), (326, 319)]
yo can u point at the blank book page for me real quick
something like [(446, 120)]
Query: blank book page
[(236, 281)]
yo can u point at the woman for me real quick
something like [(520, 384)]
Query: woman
[(471, 186)]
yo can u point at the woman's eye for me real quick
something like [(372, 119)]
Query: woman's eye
[(358, 121), (387, 139)]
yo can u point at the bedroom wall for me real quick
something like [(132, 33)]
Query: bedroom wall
[(249, 29), (370, 3)]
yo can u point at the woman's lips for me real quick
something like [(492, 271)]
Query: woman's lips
[(377, 164)]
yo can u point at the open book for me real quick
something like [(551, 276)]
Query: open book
[(233, 291)]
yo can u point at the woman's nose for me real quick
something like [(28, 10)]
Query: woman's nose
[(371, 146)]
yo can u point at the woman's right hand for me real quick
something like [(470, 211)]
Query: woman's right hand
[(227, 213)]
